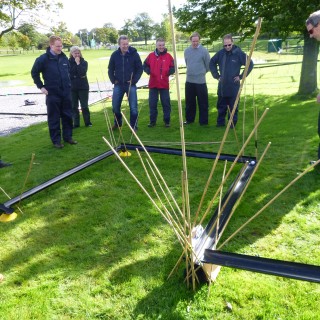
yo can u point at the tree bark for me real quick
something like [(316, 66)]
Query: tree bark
[(308, 78)]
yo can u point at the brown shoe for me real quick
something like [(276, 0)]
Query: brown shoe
[(58, 145), (71, 141)]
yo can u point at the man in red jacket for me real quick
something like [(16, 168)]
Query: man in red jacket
[(159, 65)]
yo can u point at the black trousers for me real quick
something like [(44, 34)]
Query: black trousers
[(59, 110), (81, 96), (195, 92), (225, 107)]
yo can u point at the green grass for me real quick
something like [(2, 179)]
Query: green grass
[(93, 247)]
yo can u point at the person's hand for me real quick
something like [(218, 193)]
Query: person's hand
[(44, 90), (236, 79), (77, 60), (318, 98)]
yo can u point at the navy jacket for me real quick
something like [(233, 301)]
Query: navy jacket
[(122, 67), (78, 74), (55, 73), (229, 63)]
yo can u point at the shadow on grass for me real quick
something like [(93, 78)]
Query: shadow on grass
[(90, 222)]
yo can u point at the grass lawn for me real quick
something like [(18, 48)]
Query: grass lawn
[(93, 247)]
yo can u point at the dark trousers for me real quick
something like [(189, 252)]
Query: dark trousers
[(319, 135), (224, 104), (81, 96), (59, 109), (165, 102), (196, 92)]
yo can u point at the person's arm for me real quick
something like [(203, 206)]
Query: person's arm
[(207, 60), (244, 58), (318, 98), (172, 69), (82, 68), (35, 74), (146, 66), (111, 69), (213, 67), (138, 69)]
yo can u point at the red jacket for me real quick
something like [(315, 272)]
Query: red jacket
[(159, 66)]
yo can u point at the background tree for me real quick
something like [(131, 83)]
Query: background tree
[(163, 30), (61, 30), (12, 41), (129, 30), (214, 18), (112, 33), (144, 26), (12, 11), (29, 30), (23, 41), (82, 34)]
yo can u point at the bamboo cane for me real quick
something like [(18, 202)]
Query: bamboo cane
[(234, 162), (270, 202), (231, 117)]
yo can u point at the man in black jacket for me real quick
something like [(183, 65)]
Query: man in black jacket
[(229, 60), (54, 67), (125, 70)]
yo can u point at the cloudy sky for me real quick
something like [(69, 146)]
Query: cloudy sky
[(95, 13)]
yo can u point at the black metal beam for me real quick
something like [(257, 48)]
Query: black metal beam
[(287, 269), (208, 237), (189, 153), (5, 207)]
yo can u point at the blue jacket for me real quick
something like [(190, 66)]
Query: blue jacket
[(229, 63), (122, 67), (78, 74), (55, 73)]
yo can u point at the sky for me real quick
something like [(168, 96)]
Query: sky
[(95, 13)]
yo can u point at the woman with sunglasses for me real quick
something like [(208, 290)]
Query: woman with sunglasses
[(225, 67)]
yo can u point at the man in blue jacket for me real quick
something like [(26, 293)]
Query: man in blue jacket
[(229, 60), (54, 67), (125, 70)]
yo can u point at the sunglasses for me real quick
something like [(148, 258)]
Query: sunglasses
[(311, 30), (227, 45)]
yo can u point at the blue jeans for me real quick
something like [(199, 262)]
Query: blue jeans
[(153, 104), (118, 92)]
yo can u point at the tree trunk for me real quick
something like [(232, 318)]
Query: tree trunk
[(308, 78)]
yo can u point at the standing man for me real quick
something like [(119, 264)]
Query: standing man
[(197, 60), (125, 70), (159, 65), (229, 60), (54, 67), (313, 27)]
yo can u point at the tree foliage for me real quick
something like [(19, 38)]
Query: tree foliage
[(14, 12), (61, 30), (143, 24), (129, 29), (214, 18)]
